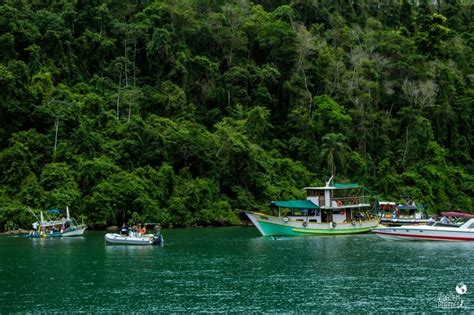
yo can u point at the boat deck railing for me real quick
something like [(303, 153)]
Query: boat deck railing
[(350, 201)]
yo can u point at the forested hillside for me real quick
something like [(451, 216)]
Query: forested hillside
[(182, 111)]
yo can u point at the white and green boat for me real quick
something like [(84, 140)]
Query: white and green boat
[(330, 210)]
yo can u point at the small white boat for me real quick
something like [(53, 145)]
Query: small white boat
[(434, 232), (134, 239), (65, 227), (408, 213)]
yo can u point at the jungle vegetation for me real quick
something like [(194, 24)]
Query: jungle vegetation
[(183, 111)]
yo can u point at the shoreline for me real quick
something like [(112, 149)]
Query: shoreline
[(113, 228)]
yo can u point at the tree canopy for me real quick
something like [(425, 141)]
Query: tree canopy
[(184, 111)]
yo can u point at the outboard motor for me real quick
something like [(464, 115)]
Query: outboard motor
[(157, 240)]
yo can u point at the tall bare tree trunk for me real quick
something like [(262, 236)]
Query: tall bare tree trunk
[(118, 97)]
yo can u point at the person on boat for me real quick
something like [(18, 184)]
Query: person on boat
[(444, 220), (124, 230), (431, 221), (157, 229)]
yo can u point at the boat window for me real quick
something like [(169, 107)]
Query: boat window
[(471, 226)]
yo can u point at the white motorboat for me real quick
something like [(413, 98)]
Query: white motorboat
[(134, 239), (434, 232)]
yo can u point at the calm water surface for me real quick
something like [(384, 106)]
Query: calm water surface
[(222, 270)]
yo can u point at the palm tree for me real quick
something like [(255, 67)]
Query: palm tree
[(333, 150)]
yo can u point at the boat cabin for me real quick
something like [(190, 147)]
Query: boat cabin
[(331, 203), (408, 210)]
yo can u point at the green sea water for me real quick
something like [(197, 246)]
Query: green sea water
[(234, 270)]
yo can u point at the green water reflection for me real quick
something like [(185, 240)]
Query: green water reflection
[(224, 270)]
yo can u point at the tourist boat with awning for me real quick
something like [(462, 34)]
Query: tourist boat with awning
[(330, 210), (64, 227), (398, 214), (461, 230)]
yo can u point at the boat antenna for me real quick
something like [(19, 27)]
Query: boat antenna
[(329, 181)]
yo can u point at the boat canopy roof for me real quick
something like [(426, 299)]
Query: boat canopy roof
[(346, 185), (457, 214), (295, 204), (53, 223), (387, 203), (336, 186)]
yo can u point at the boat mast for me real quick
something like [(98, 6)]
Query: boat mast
[(36, 217), (329, 181)]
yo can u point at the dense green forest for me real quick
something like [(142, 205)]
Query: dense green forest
[(183, 111)]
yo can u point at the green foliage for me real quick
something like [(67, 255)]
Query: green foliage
[(182, 112)]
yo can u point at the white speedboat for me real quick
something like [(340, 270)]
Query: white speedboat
[(134, 239), (434, 232)]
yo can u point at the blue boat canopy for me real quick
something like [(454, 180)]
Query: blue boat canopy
[(295, 204), (54, 211)]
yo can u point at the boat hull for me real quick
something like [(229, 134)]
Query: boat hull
[(43, 235), (423, 234), (402, 222), (78, 231), (114, 238), (276, 226)]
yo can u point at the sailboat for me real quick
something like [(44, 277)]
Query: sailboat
[(65, 227)]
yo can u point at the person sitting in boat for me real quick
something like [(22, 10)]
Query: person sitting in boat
[(431, 221), (444, 220), (124, 230)]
